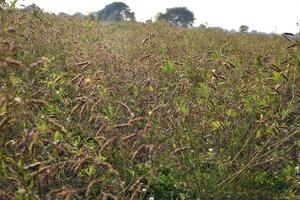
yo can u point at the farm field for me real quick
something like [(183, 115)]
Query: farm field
[(92, 110)]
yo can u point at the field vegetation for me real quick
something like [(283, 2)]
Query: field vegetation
[(92, 110)]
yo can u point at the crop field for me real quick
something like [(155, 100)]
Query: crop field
[(129, 111)]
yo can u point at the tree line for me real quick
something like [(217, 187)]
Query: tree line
[(119, 11)]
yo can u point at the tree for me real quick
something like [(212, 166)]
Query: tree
[(3, 4), (32, 9), (79, 15), (93, 16), (202, 26), (179, 16), (244, 29), (116, 11), (63, 14), (254, 32)]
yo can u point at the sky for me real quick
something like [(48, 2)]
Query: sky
[(271, 16)]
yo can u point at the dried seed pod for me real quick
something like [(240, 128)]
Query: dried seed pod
[(106, 144), (178, 151), (129, 137), (143, 153)]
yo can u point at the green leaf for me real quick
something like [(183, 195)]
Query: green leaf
[(231, 113), (57, 137), (216, 125), (216, 55), (277, 77), (203, 90), (102, 158), (161, 50), (13, 3), (89, 170), (182, 107), (168, 67), (258, 133)]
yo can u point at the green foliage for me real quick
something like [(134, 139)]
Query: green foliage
[(57, 137), (116, 11), (166, 186), (4, 4), (168, 67), (277, 77), (180, 16), (244, 29), (13, 3), (203, 90)]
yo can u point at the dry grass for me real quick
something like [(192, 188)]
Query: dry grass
[(133, 111)]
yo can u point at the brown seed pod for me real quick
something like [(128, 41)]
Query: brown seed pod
[(178, 151), (106, 144), (129, 137)]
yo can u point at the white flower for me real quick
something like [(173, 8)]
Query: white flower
[(18, 100), (144, 190), (132, 114), (297, 169), (151, 198), (210, 149)]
